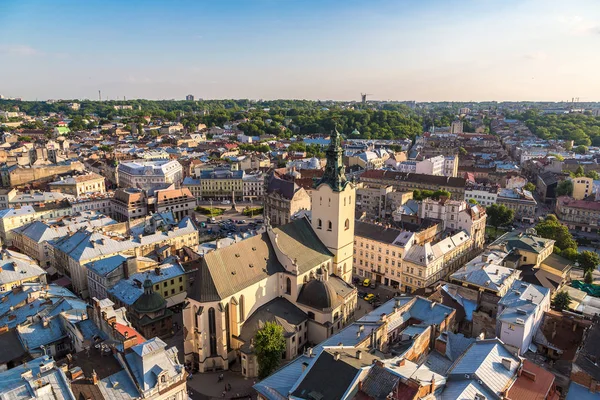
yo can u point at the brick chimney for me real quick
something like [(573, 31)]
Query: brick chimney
[(94, 377)]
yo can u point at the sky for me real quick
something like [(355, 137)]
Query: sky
[(423, 50)]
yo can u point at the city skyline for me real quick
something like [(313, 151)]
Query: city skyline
[(433, 51)]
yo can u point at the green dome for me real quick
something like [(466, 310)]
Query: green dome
[(149, 301), (355, 132)]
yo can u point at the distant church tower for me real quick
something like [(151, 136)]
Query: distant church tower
[(333, 210)]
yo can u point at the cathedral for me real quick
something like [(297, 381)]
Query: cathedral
[(297, 275)]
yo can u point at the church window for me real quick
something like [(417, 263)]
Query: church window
[(321, 200), (329, 226), (227, 327), (319, 224), (329, 202), (347, 224), (212, 331), (241, 307), (288, 286)]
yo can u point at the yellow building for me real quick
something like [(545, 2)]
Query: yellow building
[(79, 185), (532, 249), (222, 184), (582, 187)]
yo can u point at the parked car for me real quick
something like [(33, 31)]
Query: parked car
[(361, 295), (367, 282), (373, 285), (226, 202), (370, 297)]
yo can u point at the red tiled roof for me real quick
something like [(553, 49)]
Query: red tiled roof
[(122, 329), (535, 383), (583, 204)]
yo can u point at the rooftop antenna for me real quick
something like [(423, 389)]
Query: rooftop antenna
[(99, 95)]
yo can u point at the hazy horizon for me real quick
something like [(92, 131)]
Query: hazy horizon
[(471, 50)]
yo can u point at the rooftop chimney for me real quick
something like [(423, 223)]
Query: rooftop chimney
[(507, 363), (94, 377), (336, 356), (358, 354)]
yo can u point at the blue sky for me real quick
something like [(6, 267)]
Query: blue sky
[(424, 50)]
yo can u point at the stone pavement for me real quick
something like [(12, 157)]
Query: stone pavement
[(207, 386)]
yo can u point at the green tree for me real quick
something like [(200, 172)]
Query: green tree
[(592, 174), (579, 172), (588, 277), (77, 124), (269, 343), (561, 300), (473, 201), (529, 186), (565, 188), (462, 151), (588, 260), (570, 254), (499, 215), (551, 228), (581, 149)]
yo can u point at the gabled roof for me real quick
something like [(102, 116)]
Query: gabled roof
[(482, 362), (299, 242), (231, 269)]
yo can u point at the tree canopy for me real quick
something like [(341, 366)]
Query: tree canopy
[(499, 215), (588, 260), (269, 343), (582, 129), (565, 188), (551, 228), (561, 300)]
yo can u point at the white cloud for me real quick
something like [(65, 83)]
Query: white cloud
[(19, 50)]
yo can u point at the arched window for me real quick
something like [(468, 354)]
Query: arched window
[(350, 200), (241, 307), (212, 331), (344, 201), (321, 200), (288, 286), (329, 202), (319, 223), (329, 225), (227, 326), (347, 224)]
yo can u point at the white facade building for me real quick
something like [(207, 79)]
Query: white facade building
[(146, 174), (520, 313)]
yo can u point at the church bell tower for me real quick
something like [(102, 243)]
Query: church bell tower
[(333, 210)]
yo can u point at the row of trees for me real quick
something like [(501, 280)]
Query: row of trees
[(282, 117), (424, 194), (583, 129)]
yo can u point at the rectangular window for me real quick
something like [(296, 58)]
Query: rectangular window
[(165, 293)]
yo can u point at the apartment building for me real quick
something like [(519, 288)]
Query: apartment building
[(17, 269), (253, 187), (408, 182), (70, 253), (129, 203), (582, 187), (456, 215), (193, 185), (378, 252), (486, 195), (582, 215), (519, 200), (12, 218), (80, 185), (146, 174), (180, 202), (431, 166), (283, 199), (222, 184)]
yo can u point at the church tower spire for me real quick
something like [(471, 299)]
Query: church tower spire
[(334, 174), (332, 210)]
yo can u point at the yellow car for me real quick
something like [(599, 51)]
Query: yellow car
[(367, 282), (369, 297)]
